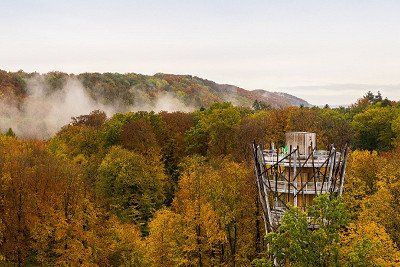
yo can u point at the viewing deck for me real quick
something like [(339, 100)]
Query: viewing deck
[(318, 159), (293, 175), (308, 188)]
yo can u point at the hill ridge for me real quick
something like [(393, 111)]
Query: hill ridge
[(128, 88)]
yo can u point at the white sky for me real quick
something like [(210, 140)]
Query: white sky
[(323, 51)]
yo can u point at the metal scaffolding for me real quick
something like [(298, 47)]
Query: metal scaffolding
[(295, 174)]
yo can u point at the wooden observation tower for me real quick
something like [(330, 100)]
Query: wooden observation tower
[(295, 174)]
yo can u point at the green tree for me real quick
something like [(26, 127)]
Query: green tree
[(260, 105), (396, 130), (83, 145), (219, 122), (10, 133), (373, 128), (130, 185), (297, 245)]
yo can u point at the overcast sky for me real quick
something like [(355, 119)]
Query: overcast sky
[(323, 51)]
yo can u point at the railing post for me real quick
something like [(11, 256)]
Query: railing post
[(331, 167), (295, 178)]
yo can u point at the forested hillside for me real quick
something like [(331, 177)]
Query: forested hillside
[(178, 188), (133, 89), (38, 105)]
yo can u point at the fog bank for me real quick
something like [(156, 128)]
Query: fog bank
[(43, 112)]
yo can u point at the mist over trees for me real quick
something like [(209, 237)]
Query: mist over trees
[(38, 105), (178, 188)]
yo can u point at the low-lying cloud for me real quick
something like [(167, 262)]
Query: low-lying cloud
[(43, 112)]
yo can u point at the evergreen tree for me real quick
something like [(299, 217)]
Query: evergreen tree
[(10, 133)]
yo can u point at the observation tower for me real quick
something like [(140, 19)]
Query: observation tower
[(295, 174)]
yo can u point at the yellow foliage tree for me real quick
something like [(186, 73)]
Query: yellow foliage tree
[(166, 238), (361, 178), (383, 207), (127, 248), (368, 244), (202, 231), (231, 193), (42, 207), (213, 209)]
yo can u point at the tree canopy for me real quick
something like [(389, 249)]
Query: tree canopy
[(178, 188)]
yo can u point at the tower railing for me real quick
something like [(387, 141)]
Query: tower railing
[(287, 178)]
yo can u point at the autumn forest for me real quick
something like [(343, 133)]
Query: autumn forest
[(178, 188)]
